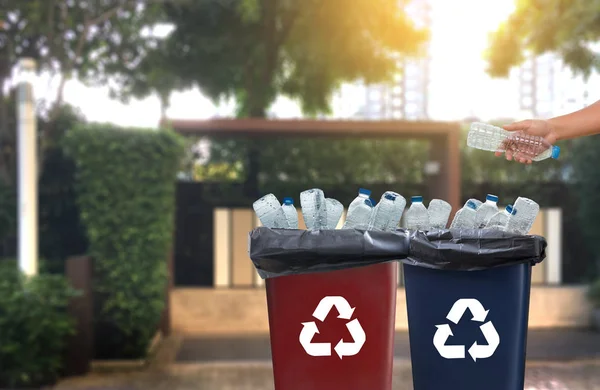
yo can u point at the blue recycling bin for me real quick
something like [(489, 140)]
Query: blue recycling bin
[(468, 329)]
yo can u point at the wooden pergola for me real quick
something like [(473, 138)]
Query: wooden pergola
[(443, 137)]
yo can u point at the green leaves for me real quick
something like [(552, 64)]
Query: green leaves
[(567, 27), (256, 50), (126, 196), (33, 327), (587, 185)]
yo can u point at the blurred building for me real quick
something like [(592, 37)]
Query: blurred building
[(548, 88), (407, 97)]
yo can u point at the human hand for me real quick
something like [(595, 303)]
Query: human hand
[(535, 127)]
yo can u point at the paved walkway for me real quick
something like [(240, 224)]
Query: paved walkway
[(556, 360), (542, 345), (258, 376)]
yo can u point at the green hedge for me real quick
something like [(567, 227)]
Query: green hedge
[(587, 185), (125, 186), (34, 325)]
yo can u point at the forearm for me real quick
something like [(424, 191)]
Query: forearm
[(579, 123)]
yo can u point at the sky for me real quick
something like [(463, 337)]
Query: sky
[(459, 85)]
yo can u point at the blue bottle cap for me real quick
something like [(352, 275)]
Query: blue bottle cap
[(555, 152), (368, 202), (471, 205), (511, 210), (416, 199), (373, 203), (390, 197), (288, 201), (492, 198), (364, 191)]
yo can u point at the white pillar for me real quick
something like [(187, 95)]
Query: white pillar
[(553, 233), (27, 169)]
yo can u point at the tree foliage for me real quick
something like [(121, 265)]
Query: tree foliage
[(92, 40), (587, 183), (125, 181), (567, 27), (256, 50)]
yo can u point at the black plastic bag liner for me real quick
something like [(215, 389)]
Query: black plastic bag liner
[(278, 252)]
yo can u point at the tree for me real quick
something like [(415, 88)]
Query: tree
[(567, 27), (92, 40), (256, 50)]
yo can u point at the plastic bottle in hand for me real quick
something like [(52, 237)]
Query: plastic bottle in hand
[(291, 215), (270, 213), (387, 213), (417, 217), (524, 213), (334, 212), (486, 211), (359, 211), (495, 139), (500, 219), (439, 212), (314, 209), (465, 217)]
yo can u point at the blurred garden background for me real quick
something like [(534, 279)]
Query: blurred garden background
[(112, 75)]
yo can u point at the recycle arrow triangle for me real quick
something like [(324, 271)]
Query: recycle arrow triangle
[(477, 351)]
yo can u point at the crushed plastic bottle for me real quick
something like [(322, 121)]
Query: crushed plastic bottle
[(270, 213), (477, 202), (388, 211), (314, 209), (439, 212), (291, 215), (417, 217), (465, 217), (500, 219), (334, 212), (359, 211), (495, 139), (486, 211), (524, 213), (399, 206)]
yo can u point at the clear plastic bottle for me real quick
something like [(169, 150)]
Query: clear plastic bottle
[(334, 212), (417, 217), (500, 219), (359, 211), (314, 209), (486, 211), (465, 217), (386, 214), (270, 213), (524, 213), (495, 139), (399, 206), (477, 202), (439, 212), (291, 215)]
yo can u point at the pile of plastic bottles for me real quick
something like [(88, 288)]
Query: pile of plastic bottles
[(321, 213)]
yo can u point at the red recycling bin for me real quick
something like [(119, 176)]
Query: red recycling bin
[(333, 330)]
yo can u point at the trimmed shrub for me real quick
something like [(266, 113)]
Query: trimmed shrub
[(125, 189), (34, 326), (587, 185)]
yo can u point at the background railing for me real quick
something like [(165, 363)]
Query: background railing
[(232, 268)]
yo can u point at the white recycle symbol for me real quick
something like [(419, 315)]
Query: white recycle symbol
[(458, 351), (324, 349)]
